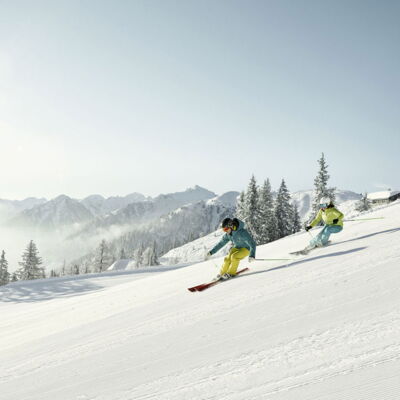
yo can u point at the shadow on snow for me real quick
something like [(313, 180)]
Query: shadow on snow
[(308, 259), (52, 288)]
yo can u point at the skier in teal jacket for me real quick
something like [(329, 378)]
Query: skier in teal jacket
[(243, 246)]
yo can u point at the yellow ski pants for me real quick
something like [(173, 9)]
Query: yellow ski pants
[(232, 260)]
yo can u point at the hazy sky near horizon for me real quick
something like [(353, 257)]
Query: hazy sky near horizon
[(154, 96)]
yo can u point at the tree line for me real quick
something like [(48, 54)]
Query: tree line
[(268, 218)]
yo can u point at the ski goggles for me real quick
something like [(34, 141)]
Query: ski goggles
[(226, 229), (323, 205)]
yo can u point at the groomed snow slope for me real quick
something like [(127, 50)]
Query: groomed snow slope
[(323, 327)]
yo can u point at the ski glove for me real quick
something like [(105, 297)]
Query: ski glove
[(308, 227), (251, 259), (207, 256), (335, 221)]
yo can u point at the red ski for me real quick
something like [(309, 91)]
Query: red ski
[(204, 286)]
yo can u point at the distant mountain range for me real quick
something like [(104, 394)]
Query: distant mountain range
[(96, 211)]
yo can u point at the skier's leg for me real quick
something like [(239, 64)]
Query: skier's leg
[(317, 240), (323, 237), (328, 231), (238, 255), (227, 261)]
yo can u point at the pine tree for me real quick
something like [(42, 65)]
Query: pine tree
[(240, 206), (283, 211), (363, 204), (31, 264), (296, 221), (75, 269), (103, 260), (149, 256), (53, 274), (4, 275), (154, 256), (321, 185), (138, 256), (122, 254), (251, 212), (268, 225)]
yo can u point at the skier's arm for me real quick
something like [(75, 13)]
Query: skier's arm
[(316, 220), (337, 216), (252, 244), (220, 244)]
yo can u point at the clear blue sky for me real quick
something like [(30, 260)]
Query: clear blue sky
[(112, 97)]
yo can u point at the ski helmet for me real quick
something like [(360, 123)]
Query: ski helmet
[(226, 223), (324, 201)]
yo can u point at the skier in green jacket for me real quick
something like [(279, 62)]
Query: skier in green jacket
[(243, 246), (332, 218)]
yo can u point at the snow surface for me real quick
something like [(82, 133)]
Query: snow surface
[(322, 327)]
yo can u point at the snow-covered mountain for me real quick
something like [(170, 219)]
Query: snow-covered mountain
[(100, 206), (326, 326), (10, 208), (54, 214), (141, 212)]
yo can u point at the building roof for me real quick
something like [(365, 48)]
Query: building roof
[(385, 195)]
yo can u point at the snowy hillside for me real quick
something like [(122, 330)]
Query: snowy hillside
[(194, 251), (326, 326)]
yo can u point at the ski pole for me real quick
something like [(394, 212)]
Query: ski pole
[(362, 219), (273, 259)]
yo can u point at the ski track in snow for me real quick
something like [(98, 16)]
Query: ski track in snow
[(325, 326)]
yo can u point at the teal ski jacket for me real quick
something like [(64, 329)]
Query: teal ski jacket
[(240, 238)]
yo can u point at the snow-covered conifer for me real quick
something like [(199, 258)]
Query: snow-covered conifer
[(251, 211), (103, 258), (4, 274), (240, 206), (122, 254), (138, 256), (363, 204), (31, 264), (296, 220), (53, 273), (149, 256), (321, 184), (283, 211), (268, 226)]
